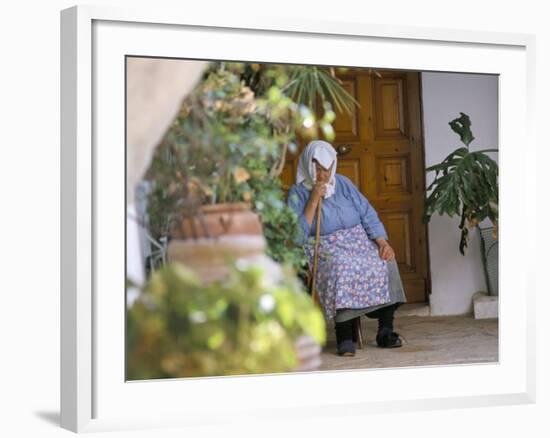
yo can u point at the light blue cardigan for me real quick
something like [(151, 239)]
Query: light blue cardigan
[(345, 209)]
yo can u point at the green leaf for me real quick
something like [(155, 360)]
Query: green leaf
[(461, 125), (443, 165)]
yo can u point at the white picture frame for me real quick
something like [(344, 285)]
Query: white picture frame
[(93, 397)]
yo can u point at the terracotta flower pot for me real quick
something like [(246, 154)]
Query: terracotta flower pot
[(219, 220), (209, 258), (308, 352), (219, 233)]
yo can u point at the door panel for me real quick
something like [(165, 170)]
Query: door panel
[(288, 175), (346, 126), (393, 175), (350, 168), (399, 229), (389, 108)]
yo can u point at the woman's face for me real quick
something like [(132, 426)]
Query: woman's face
[(323, 175)]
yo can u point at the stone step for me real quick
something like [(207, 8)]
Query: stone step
[(485, 306), (413, 309)]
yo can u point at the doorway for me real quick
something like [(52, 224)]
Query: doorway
[(380, 148)]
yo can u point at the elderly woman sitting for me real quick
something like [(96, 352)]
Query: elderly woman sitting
[(357, 272)]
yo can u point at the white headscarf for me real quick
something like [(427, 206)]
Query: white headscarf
[(325, 154)]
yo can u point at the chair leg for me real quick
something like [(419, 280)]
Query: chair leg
[(358, 332)]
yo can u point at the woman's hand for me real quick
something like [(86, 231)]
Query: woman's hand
[(385, 250), (319, 190)]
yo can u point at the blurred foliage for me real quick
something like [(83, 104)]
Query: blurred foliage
[(229, 142), (243, 325), (465, 184), (280, 224)]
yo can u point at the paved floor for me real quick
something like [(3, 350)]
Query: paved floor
[(428, 340)]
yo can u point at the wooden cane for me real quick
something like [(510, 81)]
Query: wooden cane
[(314, 293)]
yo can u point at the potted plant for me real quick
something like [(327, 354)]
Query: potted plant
[(465, 184), (219, 143), (217, 198), (180, 327), (216, 171)]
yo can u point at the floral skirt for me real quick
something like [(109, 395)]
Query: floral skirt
[(350, 272)]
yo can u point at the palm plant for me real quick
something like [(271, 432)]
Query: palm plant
[(309, 83), (465, 184)]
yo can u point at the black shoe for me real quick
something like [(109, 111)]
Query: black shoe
[(344, 338), (386, 338), (346, 348)]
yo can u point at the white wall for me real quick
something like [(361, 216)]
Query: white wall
[(455, 278)]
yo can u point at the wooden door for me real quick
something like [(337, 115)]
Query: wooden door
[(380, 148)]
